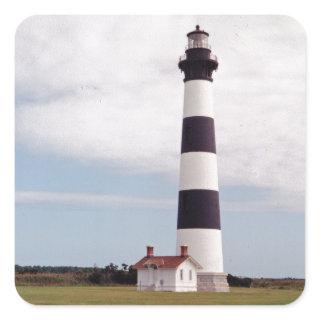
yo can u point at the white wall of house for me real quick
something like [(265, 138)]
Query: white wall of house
[(168, 279), (156, 279), (186, 277)]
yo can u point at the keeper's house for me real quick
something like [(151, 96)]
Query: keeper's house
[(167, 273)]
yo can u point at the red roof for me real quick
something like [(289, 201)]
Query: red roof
[(168, 262)]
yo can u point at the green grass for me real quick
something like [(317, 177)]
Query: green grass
[(128, 295)]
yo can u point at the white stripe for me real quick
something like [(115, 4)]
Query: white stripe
[(198, 99), (198, 170), (204, 245)]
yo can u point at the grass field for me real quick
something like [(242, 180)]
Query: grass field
[(128, 295)]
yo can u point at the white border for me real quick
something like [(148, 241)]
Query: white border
[(12, 13)]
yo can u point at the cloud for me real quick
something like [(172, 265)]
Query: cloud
[(89, 128), (91, 200), (107, 90), (98, 200)]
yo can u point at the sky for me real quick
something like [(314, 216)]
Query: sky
[(99, 104)]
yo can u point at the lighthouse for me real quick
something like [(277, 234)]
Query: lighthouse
[(198, 224)]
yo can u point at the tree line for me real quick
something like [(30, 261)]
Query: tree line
[(124, 274), (108, 275)]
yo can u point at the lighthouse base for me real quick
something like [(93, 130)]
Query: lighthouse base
[(212, 281)]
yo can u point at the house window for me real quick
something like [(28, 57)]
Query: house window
[(181, 274), (190, 275)]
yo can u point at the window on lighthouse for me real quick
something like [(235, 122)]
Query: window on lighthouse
[(190, 275), (181, 274), (198, 40)]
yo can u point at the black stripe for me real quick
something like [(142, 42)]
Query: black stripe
[(198, 135), (199, 209)]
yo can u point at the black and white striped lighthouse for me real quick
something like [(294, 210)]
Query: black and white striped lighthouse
[(198, 212)]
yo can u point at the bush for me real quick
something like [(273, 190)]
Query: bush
[(95, 277), (234, 281)]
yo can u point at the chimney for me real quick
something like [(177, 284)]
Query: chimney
[(149, 251), (184, 251)]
